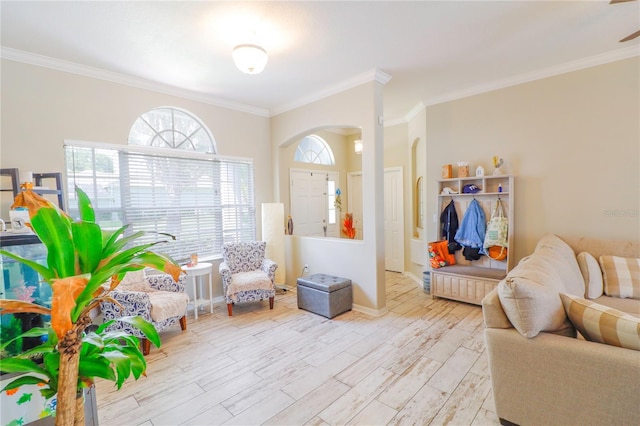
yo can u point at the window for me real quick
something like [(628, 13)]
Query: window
[(315, 150), (202, 200), (171, 128)]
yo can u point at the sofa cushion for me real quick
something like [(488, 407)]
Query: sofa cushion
[(621, 276), (530, 296), (592, 274), (134, 281), (628, 306), (566, 264), (167, 304), (601, 324)]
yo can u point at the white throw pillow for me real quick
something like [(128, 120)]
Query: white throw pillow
[(592, 275), (566, 265), (530, 296)]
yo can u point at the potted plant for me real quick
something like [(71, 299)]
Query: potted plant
[(81, 258)]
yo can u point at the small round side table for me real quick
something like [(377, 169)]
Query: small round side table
[(193, 273)]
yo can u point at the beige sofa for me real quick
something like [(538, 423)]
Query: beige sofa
[(554, 379)]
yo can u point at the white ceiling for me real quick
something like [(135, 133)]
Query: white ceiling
[(432, 50)]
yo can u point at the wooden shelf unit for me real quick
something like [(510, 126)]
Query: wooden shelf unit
[(470, 281)]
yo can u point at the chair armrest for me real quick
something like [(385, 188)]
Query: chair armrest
[(269, 267), (132, 302), (225, 274), (165, 282)]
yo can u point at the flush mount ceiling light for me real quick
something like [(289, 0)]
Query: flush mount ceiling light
[(250, 58), (358, 146)]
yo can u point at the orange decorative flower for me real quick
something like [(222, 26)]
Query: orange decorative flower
[(347, 226), (12, 391)]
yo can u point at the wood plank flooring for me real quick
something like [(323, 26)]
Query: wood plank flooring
[(422, 363)]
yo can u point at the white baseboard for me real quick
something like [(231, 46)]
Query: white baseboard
[(370, 311), (414, 278)]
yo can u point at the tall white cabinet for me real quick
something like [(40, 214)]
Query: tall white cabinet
[(469, 281)]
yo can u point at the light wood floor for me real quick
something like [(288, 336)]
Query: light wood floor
[(422, 363)]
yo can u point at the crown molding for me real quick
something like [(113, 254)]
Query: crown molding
[(372, 75), (591, 61), (127, 80)]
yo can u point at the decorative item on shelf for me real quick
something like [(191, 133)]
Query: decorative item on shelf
[(194, 260), (27, 183), (338, 201), (20, 221), (289, 225), (81, 258), (447, 171), (497, 162), (463, 169), (479, 171), (471, 188), (347, 226)]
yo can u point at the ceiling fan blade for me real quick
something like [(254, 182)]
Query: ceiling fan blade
[(630, 36), (619, 1)]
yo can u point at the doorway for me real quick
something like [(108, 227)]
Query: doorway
[(310, 207), (393, 220)]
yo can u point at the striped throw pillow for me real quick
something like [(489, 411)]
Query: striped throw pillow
[(621, 276), (602, 324)]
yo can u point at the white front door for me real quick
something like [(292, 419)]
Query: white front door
[(309, 203), (393, 220)]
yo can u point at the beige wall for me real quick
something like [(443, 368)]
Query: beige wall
[(361, 261), (417, 146), (42, 107), (572, 141), (397, 153)]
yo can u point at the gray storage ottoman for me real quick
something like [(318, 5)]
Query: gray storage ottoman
[(325, 295)]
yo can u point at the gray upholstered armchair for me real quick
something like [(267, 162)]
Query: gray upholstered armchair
[(156, 298), (246, 274)]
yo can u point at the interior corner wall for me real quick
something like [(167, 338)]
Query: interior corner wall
[(572, 141), (42, 107), (397, 153), (417, 134), (362, 261)]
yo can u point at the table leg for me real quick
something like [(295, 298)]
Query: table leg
[(200, 278), (195, 297), (210, 293)]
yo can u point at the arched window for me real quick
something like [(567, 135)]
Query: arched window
[(169, 127), (153, 184), (314, 150)]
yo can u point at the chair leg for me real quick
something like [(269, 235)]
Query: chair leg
[(146, 346), (183, 323), (230, 309), (271, 302)]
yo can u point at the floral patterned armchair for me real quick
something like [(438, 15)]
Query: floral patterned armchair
[(246, 274), (156, 298)]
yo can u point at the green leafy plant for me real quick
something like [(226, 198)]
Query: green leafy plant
[(81, 258)]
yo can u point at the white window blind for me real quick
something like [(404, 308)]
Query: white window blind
[(202, 201)]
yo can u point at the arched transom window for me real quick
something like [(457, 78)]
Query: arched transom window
[(169, 127), (314, 150)]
